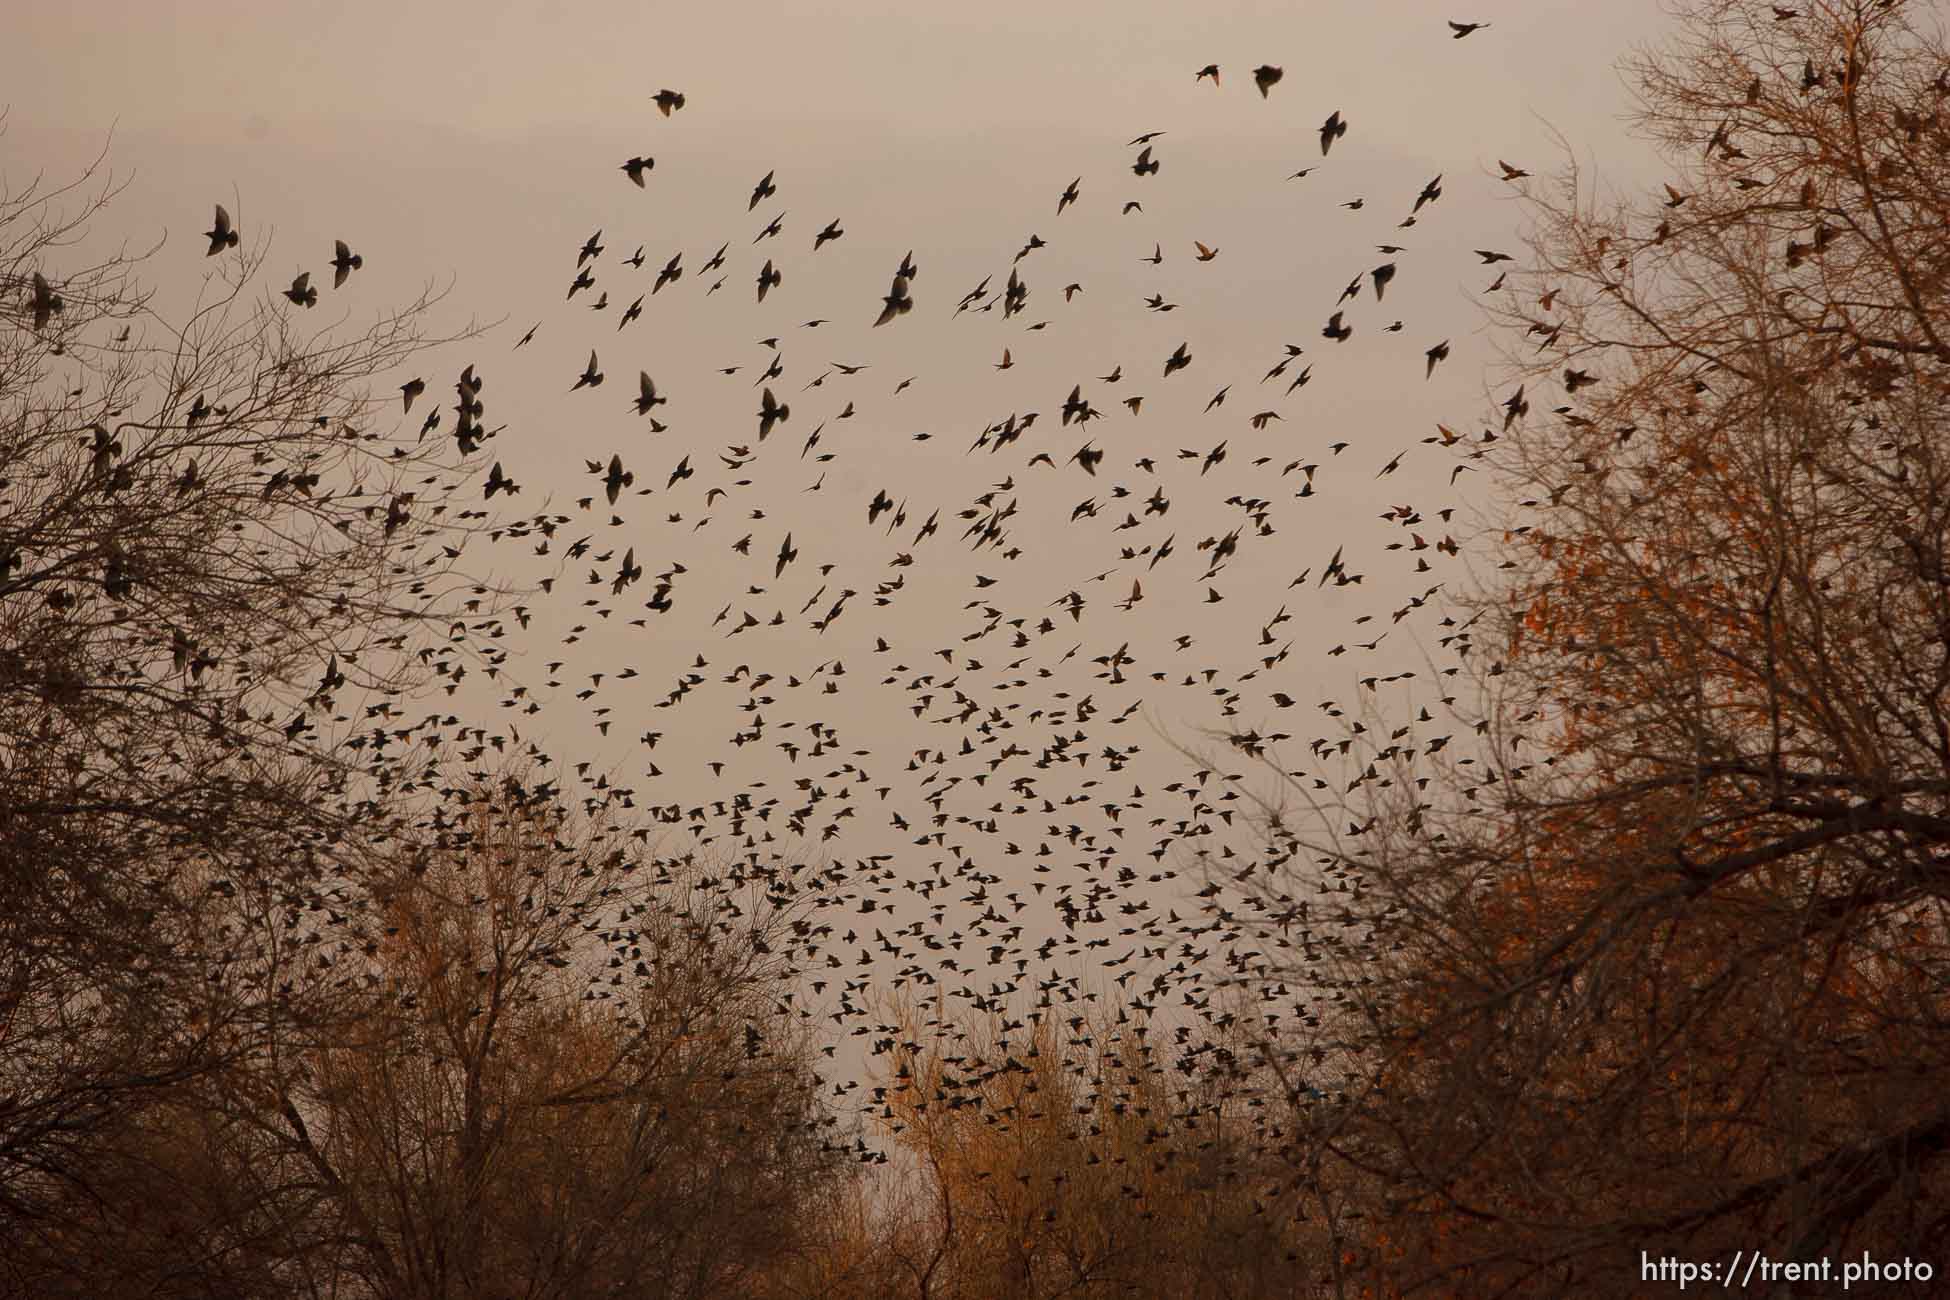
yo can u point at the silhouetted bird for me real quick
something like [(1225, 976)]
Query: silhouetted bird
[(222, 234)]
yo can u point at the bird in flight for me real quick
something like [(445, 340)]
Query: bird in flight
[(1266, 76), (1145, 164), (1209, 70), (1331, 130), (1460, 30), (221, 234), (767, 277), (635, 168), (344, 263), (666, 100), (770, 412), (590, 376), (301, 291), (897, 302), (647, 398), (46, 302), (762, 191)]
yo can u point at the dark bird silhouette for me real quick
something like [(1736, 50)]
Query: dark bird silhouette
[(672, 271), (1068, 196), (787, 554), (1145, 164), (647, 398), (1209, 70), (1381, 275), (1204, 254), (1146, 138), (583, 280), (301, 291), (770, 412), (626, 573), (617, 478), (409, 390), (590, 376), (1430, 193), (828, 235), (767, 277), (500, 482), (1335, 330), (1460, 30), (1491, 258), (1438, 353), (591, 248), (1266, 76), (667, 100), (344, 263), (897, 302), (762, 191), (221, 233), (1178, 360), (1511, 173), (635, 168), (46, 302), (1331, 130), (683, 471)]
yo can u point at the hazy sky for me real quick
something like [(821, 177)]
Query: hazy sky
[(480, 142)]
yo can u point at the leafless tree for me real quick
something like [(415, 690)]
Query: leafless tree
[(214, 546), (1663, 965)]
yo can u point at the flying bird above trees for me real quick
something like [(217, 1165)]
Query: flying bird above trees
[(898, 302), (762, 191), (221, 234), (590, 376), (647, 398), (616, 478), (1331, 130), (301, 291), (344, 263), (770, 412)]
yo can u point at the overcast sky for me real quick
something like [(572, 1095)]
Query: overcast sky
[(480, 143)]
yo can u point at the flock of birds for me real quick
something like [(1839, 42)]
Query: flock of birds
[(1022, 854)]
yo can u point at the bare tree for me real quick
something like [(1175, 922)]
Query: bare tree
[(1663, 968), (211, 534), (570, 1077)]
